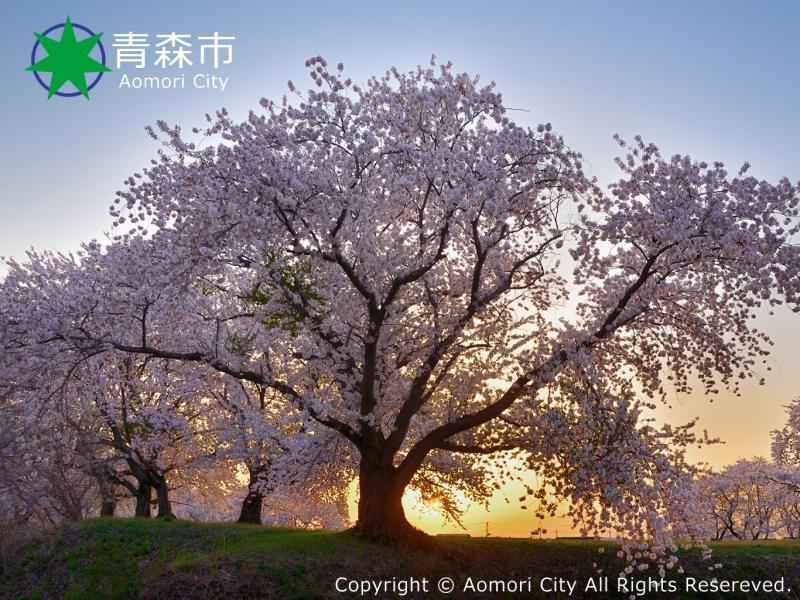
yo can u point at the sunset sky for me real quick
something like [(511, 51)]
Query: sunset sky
[(716, 80)]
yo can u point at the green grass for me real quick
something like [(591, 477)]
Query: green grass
[(138, 558)]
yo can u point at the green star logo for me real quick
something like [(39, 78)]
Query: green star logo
[(68, 59)]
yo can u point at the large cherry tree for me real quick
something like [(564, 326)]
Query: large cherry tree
[(432, 281)]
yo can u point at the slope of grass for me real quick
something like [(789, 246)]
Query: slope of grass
[(130, 558)]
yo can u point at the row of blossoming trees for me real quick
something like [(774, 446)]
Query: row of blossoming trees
[(128, 435), (393, 282), (758, 499), (752, 500)]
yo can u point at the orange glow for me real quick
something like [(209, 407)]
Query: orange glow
[(744, 423)]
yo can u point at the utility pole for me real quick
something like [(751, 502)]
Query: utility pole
[(487, 529)]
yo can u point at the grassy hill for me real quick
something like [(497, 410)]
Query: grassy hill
[(127, 558)]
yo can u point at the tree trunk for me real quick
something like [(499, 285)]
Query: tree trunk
[(251, 508), (162, 495), (107, 508), (143, 496), (108, 498), (252, 503), (380, 507)]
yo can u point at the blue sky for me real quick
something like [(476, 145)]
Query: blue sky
[(717, 80)]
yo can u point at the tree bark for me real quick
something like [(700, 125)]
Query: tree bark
[(107, 508), (143, 498), (108, 497), (162, 496), (253, 501), (380, 507)]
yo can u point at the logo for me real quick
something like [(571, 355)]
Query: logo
[(68, 59)]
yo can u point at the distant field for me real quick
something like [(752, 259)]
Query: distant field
[(126, 558)]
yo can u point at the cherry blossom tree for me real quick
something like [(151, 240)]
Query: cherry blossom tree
[(282, 454), (52, 466), (43, 474), (393, 260), (789, 504), (147, 424), (43, 479), (786, 454), (750, 500), (153, 422), (786, 441)]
